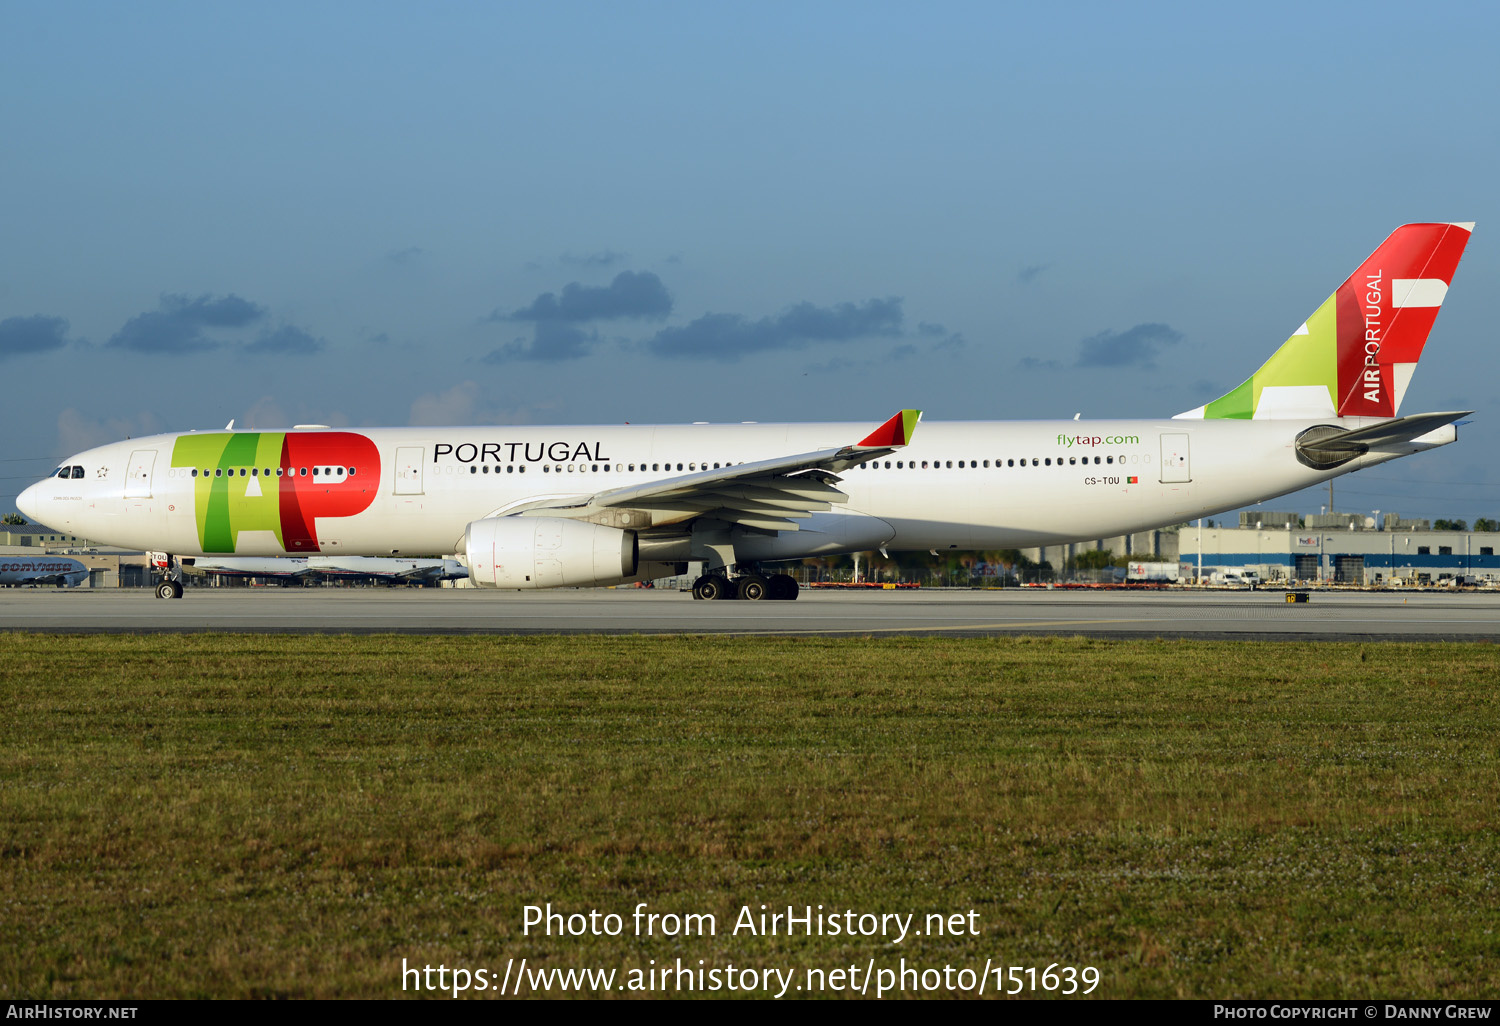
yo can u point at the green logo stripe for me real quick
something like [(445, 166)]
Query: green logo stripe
[(226, 505), (1303, 359)]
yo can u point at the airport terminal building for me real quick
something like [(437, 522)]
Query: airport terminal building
[(1343, 548)]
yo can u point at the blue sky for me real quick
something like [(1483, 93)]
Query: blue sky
[(590, 213)]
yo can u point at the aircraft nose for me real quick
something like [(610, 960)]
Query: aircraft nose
[(29, 501)]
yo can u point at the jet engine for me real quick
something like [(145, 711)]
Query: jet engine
[(547, 552)]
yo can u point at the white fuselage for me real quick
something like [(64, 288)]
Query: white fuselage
[(413, 491), (18, 570)]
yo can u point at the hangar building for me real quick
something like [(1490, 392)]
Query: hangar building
[(1343, 548)]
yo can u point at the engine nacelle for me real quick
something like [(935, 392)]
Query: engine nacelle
[(547, 552)]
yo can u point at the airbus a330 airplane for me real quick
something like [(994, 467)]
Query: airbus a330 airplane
[(58, 570), (389, 569), (546, 507), (291, 568)]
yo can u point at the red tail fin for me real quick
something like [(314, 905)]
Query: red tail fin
[(1385, 311)]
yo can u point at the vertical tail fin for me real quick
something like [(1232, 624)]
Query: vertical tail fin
[(1355, 355)]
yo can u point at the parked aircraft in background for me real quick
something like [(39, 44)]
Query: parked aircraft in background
[(543, 507), (58, 570), (414, 571), (279, 567)]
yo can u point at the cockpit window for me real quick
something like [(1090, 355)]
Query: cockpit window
[(64, 471), (77, 473)]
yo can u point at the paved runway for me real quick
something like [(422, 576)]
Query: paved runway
[(1263, 615)]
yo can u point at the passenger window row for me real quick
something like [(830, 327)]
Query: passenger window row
[(659, 467), (1000, 464), (337, 472), (601, 468)]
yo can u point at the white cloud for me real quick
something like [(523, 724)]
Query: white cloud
[(266, 414), (76, 431), (465, 403)]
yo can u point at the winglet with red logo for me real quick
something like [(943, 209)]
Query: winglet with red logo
[(893, 433)]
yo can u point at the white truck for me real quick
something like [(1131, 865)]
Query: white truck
[(1153, 572), (1235, 577)]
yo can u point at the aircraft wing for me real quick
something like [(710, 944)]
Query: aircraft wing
[(426, 570), (435, 570), (771, 495)]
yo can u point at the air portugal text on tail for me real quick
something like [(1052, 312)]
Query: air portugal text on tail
[(1355, 355), (543, 507)]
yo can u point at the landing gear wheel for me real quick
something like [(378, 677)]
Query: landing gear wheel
[(753, 587), (169, 590), (783, 587), (713, 586)]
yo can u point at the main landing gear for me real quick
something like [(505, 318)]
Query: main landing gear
[(751, 586)]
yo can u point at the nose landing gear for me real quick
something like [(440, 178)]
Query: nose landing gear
[(170, 568)]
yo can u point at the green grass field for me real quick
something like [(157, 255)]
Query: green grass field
[(292, 816)]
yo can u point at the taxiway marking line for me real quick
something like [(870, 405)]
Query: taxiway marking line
[(947, 627)]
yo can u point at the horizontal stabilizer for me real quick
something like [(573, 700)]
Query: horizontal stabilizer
[(1325, 446), (1403, 429)]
